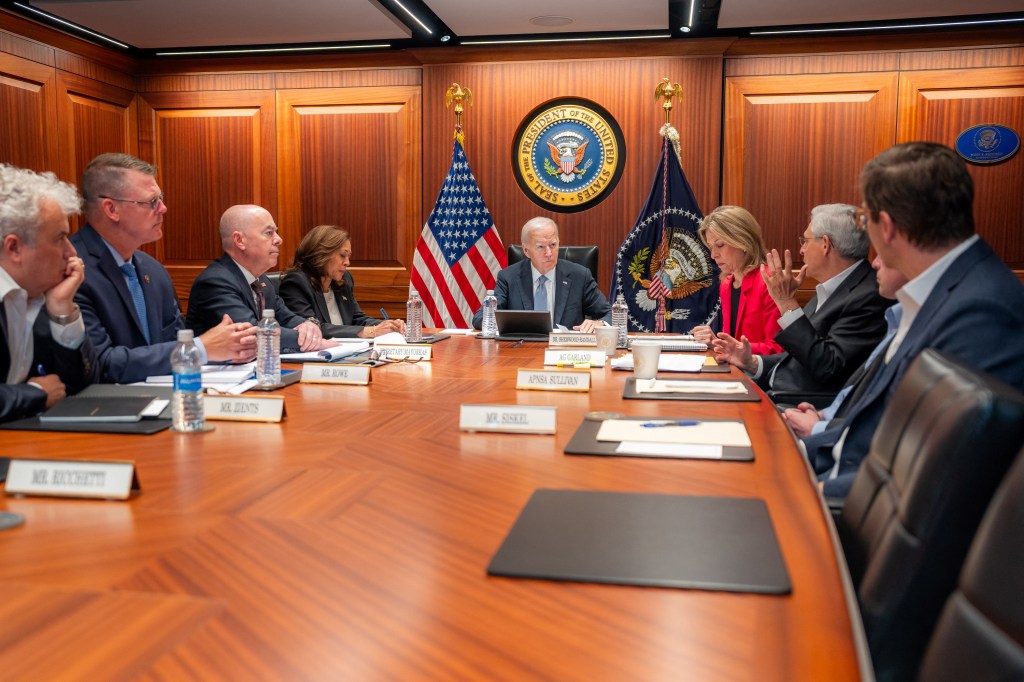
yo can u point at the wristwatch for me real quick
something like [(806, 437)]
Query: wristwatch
[(314, 321), (65, 320)]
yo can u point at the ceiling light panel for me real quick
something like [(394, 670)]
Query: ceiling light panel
[(507, 18)]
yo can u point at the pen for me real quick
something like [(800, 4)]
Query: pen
[(385, 314), (680, 422), (579, 365), (40, 370)]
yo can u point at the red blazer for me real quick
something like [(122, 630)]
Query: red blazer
[(758, 314)]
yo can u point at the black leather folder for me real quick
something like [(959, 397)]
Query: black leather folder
[(705, 543)]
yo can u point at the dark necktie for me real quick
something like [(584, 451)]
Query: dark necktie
[(135, 289), (261, 301), (540, 296), (864, 378)]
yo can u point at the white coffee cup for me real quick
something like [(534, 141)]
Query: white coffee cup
[(645, 358), (607, 337)]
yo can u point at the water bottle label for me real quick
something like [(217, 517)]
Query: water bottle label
[(188, 382)]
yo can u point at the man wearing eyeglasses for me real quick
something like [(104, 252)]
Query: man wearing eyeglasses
[(826, 340), (128, 302)]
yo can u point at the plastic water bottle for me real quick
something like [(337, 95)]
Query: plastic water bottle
[(489, 327), (268, 350), (414, 318), (187, 399), (620, 318)]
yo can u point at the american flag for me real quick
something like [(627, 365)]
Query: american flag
[(459, 252)]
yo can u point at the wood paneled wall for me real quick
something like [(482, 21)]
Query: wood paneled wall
[(364, 141)]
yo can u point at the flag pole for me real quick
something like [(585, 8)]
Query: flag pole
[(458, 94), (666, 90)]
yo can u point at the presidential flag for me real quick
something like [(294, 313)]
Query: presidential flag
[(663, 270), (459, 253)]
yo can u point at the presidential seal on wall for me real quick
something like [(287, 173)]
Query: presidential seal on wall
[(568, 154)]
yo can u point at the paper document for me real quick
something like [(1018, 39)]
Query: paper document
[(213, 375), (327, 354), (702, 433), (391, 338), (689, 386), (666, 363), (687, 450), (454, 332)]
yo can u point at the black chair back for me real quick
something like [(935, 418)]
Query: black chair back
[(275, 279), (943, 445), (581, 255), (981, 633)]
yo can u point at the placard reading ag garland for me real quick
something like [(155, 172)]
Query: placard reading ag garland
[(568, 154)]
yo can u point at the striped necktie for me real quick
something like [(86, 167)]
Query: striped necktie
[(540, 296)]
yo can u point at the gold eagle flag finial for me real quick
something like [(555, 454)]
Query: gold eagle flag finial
[(667, 90), (458, 94)]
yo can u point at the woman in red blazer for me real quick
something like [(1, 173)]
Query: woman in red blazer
[(734, 237)]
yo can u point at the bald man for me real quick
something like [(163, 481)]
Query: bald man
[(236, 284)]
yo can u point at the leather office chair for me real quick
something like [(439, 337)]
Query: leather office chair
[(981, 633), (582, 255), (275, 279), (943, 445)]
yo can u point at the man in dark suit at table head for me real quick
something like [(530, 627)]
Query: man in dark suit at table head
[(236, 284), (960, 299), (42, 336), (543, 282), (128, 301), (825, 341)]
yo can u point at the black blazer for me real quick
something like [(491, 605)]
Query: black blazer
[(825, 347), (221, 288), (299, 295), (75, 367)]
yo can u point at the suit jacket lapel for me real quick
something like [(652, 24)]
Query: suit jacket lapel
[(562, 282), (235, 273), (526, 286)]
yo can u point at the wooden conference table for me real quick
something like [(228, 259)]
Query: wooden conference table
[(351, 542)]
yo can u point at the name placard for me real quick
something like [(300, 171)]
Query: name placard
[(553, 380), (406, 351), (507, 418), (567, 357), (336, 374), (244, 408), (571, 339), (72, 478)]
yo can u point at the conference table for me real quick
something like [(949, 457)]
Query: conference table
[(351, 541)]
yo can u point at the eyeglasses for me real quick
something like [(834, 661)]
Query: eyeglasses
[(804, 240), (152, 203), (378, 356), (860, 216)]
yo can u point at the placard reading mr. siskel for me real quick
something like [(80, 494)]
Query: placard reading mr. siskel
[(568, 154)]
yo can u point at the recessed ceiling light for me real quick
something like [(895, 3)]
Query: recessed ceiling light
[(551, 20)]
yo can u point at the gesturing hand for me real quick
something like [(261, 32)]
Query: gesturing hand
[(777, 274)]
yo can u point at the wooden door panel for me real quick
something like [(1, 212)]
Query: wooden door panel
[(28, 136), (792, 142), (938, 105), (352, 157), (214, 150)]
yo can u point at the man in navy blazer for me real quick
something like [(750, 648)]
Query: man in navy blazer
[(569, 289), (124, 208), (229, 284), (44, 351), (960, 299), (830, 337)]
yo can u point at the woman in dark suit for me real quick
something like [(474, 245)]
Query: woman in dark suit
[(320, 287), (734, 238)]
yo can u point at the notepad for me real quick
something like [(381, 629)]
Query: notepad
[(107, 409)]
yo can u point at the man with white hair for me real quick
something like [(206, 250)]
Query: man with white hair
[(828, 339), (236, 284), (44, 352), (543, 282)]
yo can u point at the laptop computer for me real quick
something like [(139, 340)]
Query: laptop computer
[(525, 325)]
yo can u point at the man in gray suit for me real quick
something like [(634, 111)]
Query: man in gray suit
[(830, 337), (543, 282)]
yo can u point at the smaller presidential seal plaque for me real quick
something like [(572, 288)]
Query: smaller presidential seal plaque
[(987, 144), (568, 155)]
